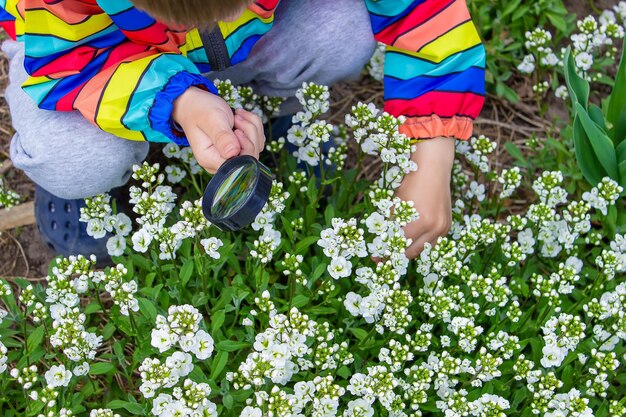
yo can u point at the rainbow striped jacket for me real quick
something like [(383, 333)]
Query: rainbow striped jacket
[(123, 70)]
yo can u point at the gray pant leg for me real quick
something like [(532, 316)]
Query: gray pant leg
[(321, 41), (61, 151)]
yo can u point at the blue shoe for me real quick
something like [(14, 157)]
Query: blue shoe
[(280, 127), (60, 228)]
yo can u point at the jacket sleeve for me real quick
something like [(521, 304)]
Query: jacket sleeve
[(113, 63), (434, 65)]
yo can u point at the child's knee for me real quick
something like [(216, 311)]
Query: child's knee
[(76, 175)]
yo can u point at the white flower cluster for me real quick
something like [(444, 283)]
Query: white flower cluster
[(5, 289), (70, 336), (176, 173), (69, 278), (376, 66), (8, 198), (122, 291), (190, 400), (243, 97), (594, 40), (340, 243), (320, 397), (477, 151), (510, 180), (100, 220), (283, 350), (3, 357), (269, 239), (561, 335), (182, 327), (378, 134), (103, 412), (26, 377)]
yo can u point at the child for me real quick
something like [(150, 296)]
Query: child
[(137, 80)]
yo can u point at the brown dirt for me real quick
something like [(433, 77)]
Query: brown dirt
[(22, 252)]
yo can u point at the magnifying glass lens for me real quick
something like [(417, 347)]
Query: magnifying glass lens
[(233, 193)]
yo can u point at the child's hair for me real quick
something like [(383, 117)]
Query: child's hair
[(201, 13)]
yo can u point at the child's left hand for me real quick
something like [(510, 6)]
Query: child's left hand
[(429, 189)]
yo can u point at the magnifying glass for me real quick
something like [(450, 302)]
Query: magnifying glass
[(237, 193)]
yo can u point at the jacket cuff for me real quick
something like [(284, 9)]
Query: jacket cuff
[(160, 114), (427, 127)]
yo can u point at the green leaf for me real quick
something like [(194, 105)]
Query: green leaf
[(617, 99), (585, 156), (101, 368), (108, 331), (595, 113), (92, 308), (35, 338), (147, 308), (322, 310), (358, 333), (232, 346), (300, 301), (516, 153), (228, 401), (133, 408), (217, 320), (619, 129), (305, 244), (186, 271), (578, 87), (142, 262), (218, 364), (602, 145), (622, 174)]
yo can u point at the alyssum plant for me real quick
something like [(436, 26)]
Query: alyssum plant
[(520, 314)]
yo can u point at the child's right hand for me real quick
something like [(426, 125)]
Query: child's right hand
[(208, 122)]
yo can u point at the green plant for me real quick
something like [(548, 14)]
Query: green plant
[(599, 133), (513, 313), (503, 25)]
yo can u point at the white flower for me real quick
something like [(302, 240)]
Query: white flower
[(58, 376), (203, 348), (180, 363), (552, 356), (95, 228), (527, 66), (3, 358), (340, 268), (562, 92), (171, 150), (175, 174), (82, 369), (159, 403), (584, 60), (212, 246), (376, 223), (251, 412), (141, 240), (353, 303), (163, 340), (360, 408), (123, 225), (116, 245)]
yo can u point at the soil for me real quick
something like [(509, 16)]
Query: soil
[(24, 254)]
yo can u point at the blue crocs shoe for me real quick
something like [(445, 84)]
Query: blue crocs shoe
[(60, 228), (280, 127)]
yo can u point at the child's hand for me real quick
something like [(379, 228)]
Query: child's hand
[(208, 122), (429, 188)]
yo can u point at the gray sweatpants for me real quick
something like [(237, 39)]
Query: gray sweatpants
[(323, 41)]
